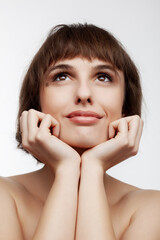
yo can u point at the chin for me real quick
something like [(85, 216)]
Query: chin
[(83, 137), (83, 143)]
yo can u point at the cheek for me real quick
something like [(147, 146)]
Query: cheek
[(115, 111), (51, 102), (113, 106)]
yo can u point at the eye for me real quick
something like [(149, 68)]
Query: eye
[(60, 77), (103, 77)]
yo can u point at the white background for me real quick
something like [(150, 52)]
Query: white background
[(23, 28)]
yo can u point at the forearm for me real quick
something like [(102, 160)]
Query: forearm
[(94, 220), (58, 218)]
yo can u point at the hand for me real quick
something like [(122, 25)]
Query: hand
[(124, 138), (40, 138)]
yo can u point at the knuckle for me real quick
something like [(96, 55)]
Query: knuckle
[(24, 113), (122, 120), (137, 116), (124, 142), (131, 145), (134, 152), (25, 145), (39, 137), (48, 116), (31, 140), (132, 148), (31, 111)]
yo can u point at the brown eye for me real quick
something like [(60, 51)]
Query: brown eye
[(104, 78), (60, 77)]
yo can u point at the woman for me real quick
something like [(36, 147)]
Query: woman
[(79, 114)]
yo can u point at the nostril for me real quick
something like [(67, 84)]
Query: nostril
[(84, 100)]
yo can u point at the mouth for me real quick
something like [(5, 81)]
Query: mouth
[(84, 117)]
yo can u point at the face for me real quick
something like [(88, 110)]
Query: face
[(84, 97)]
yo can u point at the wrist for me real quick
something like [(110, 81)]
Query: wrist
[(96, 163), (68, 169), (92, 166)]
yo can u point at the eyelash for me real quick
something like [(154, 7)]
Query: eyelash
[(59, 75), (105, 75)]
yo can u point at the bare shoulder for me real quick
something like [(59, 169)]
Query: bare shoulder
[(6, 193), (144, 222), (139, 211), (8, 188), (145, 217), (124, 192), (7, 184), (143, 200), (8, 211), (11, 191), (20, 208), (146, 202), (145, 197), (12, 187), (137, 199)]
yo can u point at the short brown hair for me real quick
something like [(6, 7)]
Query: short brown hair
[(84, 40)]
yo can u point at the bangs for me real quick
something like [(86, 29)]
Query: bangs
[(87, 41)]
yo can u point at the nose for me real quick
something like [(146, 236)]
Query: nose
[(84, 94)]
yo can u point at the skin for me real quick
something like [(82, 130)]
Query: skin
[(73, 186)]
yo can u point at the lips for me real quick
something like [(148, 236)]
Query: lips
[(84, 117), (80, 113)]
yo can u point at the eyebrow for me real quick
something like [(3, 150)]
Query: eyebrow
[(61, 66), (105, 66), (69, 67)]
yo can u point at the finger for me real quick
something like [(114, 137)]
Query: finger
[(34, 119), (120, 126), (139, 134), (133, 128), (23, 126), (135, 131), (51, 124), (111, 132)]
